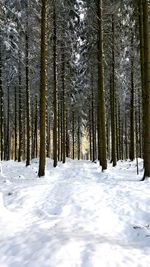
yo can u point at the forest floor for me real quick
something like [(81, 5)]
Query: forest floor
[(76, 216)]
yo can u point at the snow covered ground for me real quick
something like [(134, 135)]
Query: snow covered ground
[(75, 216)]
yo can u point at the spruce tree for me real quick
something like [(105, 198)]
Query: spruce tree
[(43, 90)]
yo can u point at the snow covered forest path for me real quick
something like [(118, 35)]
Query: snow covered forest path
[(74, 217)]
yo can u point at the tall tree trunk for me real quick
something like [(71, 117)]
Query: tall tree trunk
[(43, 90), (126, 137), (101, 104), (24, 133), (16, 125), (8, 125), (118, 129), (140, 128), (119, 132), (93, 125), (112, 100), (121, 141), (146, 91), (63, 108), (79, 144), (67, 137), (55, 87), (141, 36), (132, 120), (48, 136), (35, 130), (28, 128), (1, 104), (90, 134), (20, 110), (108, 139), (61, 126), (58, 131), (73, 135)]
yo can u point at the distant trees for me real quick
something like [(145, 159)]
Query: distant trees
[(74, 82)]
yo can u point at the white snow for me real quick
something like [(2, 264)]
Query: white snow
[(75, 216)]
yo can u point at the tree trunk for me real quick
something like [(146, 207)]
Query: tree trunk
[(63, 108), (1, 105), (16, 125), (55, 88), (20, 110), (28, 128), (59, 130), (67, 137), (73, 137), (35, 131), (126, 137), (43, 91), (90, 135), (141, 37), (93, 126), (48, 143), (132, 120), (79, 144), (101, 104), (112, 100), (146, 91), (8, 125)]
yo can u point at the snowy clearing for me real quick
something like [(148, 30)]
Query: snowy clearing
[(74, 217)]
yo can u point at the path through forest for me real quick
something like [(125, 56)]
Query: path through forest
[(74, 217)]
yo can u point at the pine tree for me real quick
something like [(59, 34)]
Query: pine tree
[(146, 92), (43, 90), (101, 104), (132, 108), (112, 97), (1, 100), (55, 134), (27, 87)]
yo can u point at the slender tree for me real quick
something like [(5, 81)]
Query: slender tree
[(146, 93), (63, 109), (43, 90), (27, 87), (101, 104), (55, 134), (20, 109), (1, 100), (132, 117), (112, 97), (16, 125)]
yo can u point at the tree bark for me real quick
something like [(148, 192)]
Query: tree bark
[(16, 125), (8, 125), (146, 91), (43, 91), (55, 88), (101, 102), (20, 110), (112, 101), (73, 135), (28, 127), (1, 105), (132, 117)]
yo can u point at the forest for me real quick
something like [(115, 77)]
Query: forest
[(74, 133), (74, 81)]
